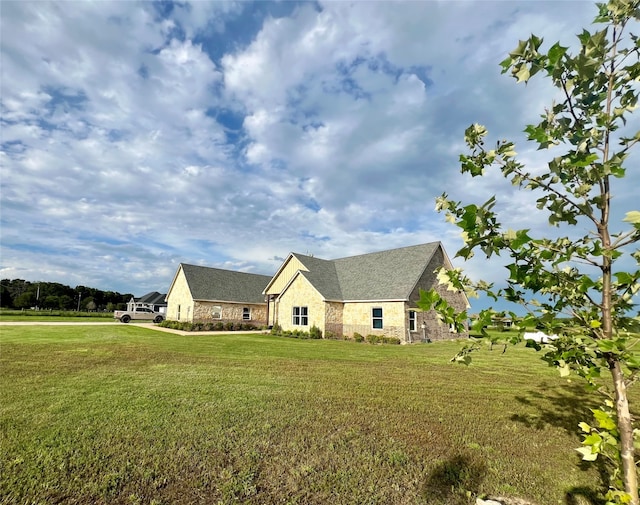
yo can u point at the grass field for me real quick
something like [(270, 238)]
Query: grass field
[(10, 315), (127, 415)]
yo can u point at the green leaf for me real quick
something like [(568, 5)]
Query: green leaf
[(594, 440), (523, 74), (555, 53), (586, 453), (584, 427), (633, 217), (505, 64), (605, 420)]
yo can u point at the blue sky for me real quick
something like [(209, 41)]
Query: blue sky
[(138, 135)]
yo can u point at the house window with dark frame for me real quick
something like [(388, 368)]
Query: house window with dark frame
[(376, 318), (300, 316), (246, 314), (412, 320), (216, 312)]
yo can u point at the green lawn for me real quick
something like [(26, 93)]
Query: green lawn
[(127, 415), (9, 315)]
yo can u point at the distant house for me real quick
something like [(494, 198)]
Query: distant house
[(200, 293), (154, 301), (372, 293)]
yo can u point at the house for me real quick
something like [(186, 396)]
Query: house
[(372, 293), (154, 301), (200, 293)]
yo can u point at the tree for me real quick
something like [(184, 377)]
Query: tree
[(6, 300), (24, 300), (51, 302), (579, 287)]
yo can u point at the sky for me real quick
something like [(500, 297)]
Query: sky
[(139, 135)]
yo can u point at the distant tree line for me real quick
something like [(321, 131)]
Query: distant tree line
[(21, 294)]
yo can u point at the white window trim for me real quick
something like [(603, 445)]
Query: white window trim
[(413, 327), (248, 309), (374, 318), (218, 309), (300, 315)]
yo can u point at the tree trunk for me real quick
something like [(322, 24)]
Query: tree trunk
[(625, 428)]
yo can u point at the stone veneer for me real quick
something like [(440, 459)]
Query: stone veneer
[(435, 330), (230, 312), (301, 293)]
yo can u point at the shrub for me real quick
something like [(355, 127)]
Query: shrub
[(276, 329), (219, 326), (391, 340), (357, 337), (301, 334), (373, 339), (228, 326), (315, 332)]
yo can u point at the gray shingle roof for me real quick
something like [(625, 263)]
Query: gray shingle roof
[(153, 298), (384, 275), (215, 284), (322, 275)]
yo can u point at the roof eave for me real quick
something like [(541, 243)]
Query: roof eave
[(377, 300), (201, 300)]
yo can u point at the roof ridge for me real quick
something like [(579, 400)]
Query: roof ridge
[(224, 270), (389, 250)]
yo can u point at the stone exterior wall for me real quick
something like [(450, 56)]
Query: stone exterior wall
[(203, 311), (179, 301), (434, 329), (357, 318), (333, 316), (301, 293)]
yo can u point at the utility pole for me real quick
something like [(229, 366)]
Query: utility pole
[(79, 298)]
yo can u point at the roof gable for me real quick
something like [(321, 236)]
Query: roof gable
[(284, 274), (215, 284)]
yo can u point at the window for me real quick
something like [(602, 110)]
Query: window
[(178, 318), (216, 312), (300, 316), (246, 314), (376, 318), (412, 320)]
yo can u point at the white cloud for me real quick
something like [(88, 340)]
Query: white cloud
[(138, 135)]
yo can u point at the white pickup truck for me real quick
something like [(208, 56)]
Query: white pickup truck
[(138, 313)]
